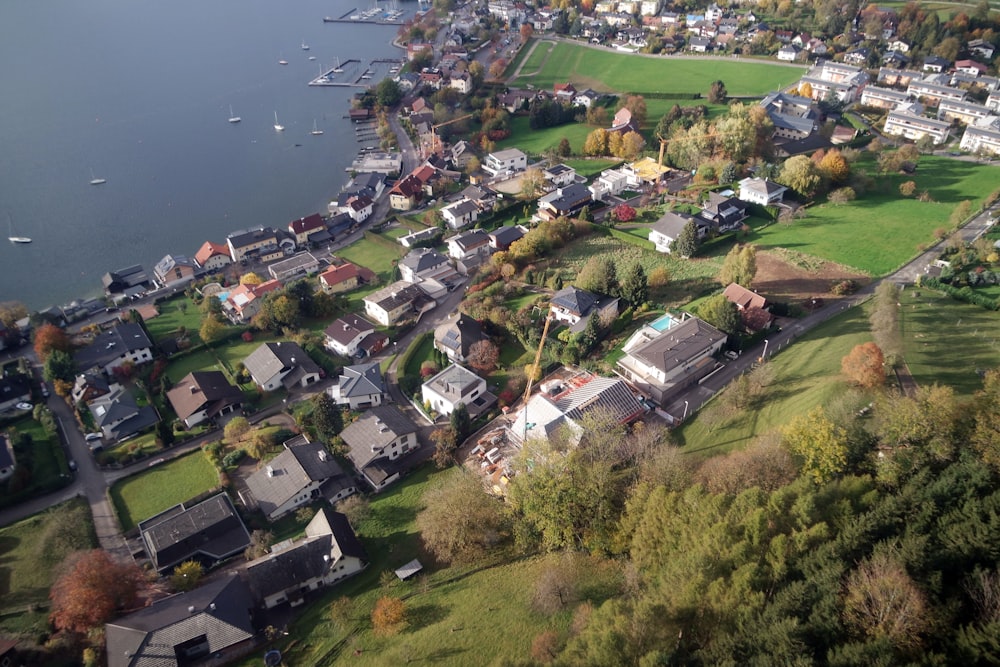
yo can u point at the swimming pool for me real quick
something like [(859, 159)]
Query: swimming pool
[(663, 323)]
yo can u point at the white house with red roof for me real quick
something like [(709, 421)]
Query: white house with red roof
[(303, 227), (213, 256), (243, 302)]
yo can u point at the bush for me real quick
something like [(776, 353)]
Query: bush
[(231, 459), (844, 287)]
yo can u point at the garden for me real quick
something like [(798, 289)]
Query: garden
[(148, 493), (41, 461)]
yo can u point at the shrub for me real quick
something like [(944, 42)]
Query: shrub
[(233, 458), (844, 287)]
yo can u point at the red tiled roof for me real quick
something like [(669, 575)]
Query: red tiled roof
[(744, 298), (423, 173), (306, 224), (209, 250), (339, 274), (407, 187)]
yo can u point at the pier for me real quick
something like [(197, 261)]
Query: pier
[(374, 16), (352, 79)]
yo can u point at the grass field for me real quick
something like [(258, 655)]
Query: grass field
[(608, 71), (881, 231), (806, 375), (590, 167), (423, 352), (536, 142), (202, 360), (374, 256), (141, 496), (48, 457), (971, 343), (177, 312)]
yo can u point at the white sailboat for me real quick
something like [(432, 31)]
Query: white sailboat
[(281, 60), (233, 118), (96, 181), (10, 231), (337, 69), (278, 127), (305, 47), (316, 131)]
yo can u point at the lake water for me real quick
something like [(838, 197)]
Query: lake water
[(138, 92)]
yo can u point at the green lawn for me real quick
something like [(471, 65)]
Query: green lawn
[(141, 496), (175, 312), (589, 167), (396, 232), (48, 460), (615, 72), (423, 352), (373, 255), (807, 374), (971, 343), (30, 550), (881, 231), (536, 142), (202, 360)]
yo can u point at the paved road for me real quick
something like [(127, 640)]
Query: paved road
[(692, 399)]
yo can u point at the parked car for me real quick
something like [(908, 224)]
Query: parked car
[(90, 437), (72, 465), (731, 355)]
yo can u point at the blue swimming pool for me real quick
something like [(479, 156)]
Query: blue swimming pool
[(663, 323)]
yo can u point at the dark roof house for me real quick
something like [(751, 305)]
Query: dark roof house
[(456, 337), (202, 395)]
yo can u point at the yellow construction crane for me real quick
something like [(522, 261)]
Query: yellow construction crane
[(663, 144), (538, 358), (435, 142)]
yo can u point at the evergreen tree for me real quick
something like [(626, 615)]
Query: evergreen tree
[(461, 422), (634, 286), (686, 245)]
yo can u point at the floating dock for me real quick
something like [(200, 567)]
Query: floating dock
[(374, 16), (345, 79)]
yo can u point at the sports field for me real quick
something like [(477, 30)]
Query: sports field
[(609, 71)]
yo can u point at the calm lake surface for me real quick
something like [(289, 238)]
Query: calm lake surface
[(138, 92)]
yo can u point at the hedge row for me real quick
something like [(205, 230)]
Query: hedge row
[(965, 294)]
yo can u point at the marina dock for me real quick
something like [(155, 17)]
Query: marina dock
[(374, 15), (348, 76)]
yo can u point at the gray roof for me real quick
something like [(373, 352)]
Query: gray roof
[(347, 328), (462, 208), (220, 611), (245, 238), (678, 345), (454, 382), (169, 262), (120, 406), (271, 358), (111, 344), (459, 335), (570, 197), (504, 236), (423, 259), (392, 297), (289, 472), (471, 239), (361, 380), (575, 300), (203, 390), (210, 530), (671, 224), (375, 429)]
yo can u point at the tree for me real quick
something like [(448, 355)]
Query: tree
[(557, 585), (326, 417), (212, 330), (356, 508), (59, 366), (717, 92), (841, 196), (236, 429), (960, 213), (484, 356), (186, 576), (659, 277), (819, 443), (800, 174), (686, 245), (11, 312), (444, 446), (721, 313), (497, 68), (883, 601), (532, 181), (466, 536), (598, 275), (260, 544), (460, 422), (564, 149), (388, 93), (526, 32), (388, 616), (91, 590), (834, 167), (864, 366), (596, 143), (739, 266), (250, 278), (806, 90), (632, 144), (49, 338), (635, 286), (636, 104)]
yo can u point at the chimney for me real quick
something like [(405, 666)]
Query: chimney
[(212, 606), (191, 609), (322, 455), (270, 471), (194, 389)]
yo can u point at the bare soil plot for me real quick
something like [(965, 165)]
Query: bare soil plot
[(791, 277)]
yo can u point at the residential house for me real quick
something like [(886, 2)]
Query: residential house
[(468, 244), (337, 279), (932, 93), (354, 336), (970, 67), (895, 77), (360, 208), (936, 64), (460, 214), (559, 175), (213, 256), (378, 442), (329, 552), (244, 301), (405, 194), (611, 182), (304, 472), (203, 395), (501, 238), (668, 229), (508, 161), (564, 202), (367, 183), (415, 49), (761, 191), (725, 213), (125, 343), (788, 53), (281, 364), (461, 154), (174, 271), (209, 532), (663, 362), (296, 266), (455, 338), (843, 81), (303, 228), (981, 48), (899, 45), (793, 116), (884, 98), (14, 388), (461, 82), (966, 113), (86, 388), (8, 463), (480, 195), (895, 59), (264, 244), (982, 137), (699, 44), (422, 263), (560, 408), (743, 298), (215, 619), (993, 102), (585, 98), (456, 384), (515, 99), (575, 307), (129, 281), (904, 123), (118, 416), (623, 122), (390, 304), (360, 386)]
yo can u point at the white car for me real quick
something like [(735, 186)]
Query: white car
[(24, 406), (90, 437), (731, 355)]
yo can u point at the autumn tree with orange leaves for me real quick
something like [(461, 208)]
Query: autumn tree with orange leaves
[(49, 338), (92, 588), (865, 365)]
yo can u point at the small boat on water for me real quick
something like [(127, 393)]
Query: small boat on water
[(281, 60), (12, 238), (233, 118), (329, 19), (337, 68), (277, 126), (312, 57), (96, 181), (316, 131), (305, 47)]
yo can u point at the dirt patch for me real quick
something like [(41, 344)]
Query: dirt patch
[(796, 278)]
